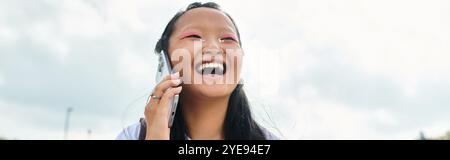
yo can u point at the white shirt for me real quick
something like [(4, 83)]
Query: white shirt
[(132, 133)]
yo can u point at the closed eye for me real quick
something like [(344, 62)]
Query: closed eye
[(192, 36), (229, 39)]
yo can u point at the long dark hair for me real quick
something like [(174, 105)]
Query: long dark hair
[(239, 123)]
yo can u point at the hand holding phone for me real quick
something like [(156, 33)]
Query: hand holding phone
[(161, 109), (165, 68)]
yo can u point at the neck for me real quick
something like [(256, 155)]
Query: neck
[(205, 118)]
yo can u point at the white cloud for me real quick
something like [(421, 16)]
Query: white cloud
[(128, 13), (398, 38), (320, 119), (18, 121), (43, 33), (406, 42), (80, 19), (137, 69), (2, 80), (7, 35), (267, 68), (39, 122)]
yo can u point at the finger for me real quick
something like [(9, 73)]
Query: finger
[(166, 78), (167, 82), (159, 92), (163, 86), (166, 99), (175, 75)]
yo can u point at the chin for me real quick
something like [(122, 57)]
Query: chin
[(214, 90)]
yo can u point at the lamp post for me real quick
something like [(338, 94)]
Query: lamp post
[(89, 132), (66, 125)]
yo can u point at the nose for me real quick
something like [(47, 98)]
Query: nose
[(212, 47)]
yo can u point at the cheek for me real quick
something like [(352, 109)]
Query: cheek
[(235, 63), (182, 59)]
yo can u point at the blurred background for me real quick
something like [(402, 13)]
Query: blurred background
[(322, 69)]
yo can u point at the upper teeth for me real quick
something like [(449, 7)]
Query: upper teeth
[(211, 65)]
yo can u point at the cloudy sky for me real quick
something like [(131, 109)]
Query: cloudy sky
[(322, 69)]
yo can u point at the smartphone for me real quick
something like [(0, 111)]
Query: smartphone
[(164, 68)]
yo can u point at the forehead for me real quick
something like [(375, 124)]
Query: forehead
[(204, 19)]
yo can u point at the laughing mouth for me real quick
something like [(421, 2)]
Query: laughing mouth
[(211, 68)]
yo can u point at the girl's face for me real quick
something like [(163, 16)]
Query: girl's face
[(205, 48)]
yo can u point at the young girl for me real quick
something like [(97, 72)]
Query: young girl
[(206, 110)]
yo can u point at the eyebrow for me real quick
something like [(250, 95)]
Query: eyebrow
[(191, 27)]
